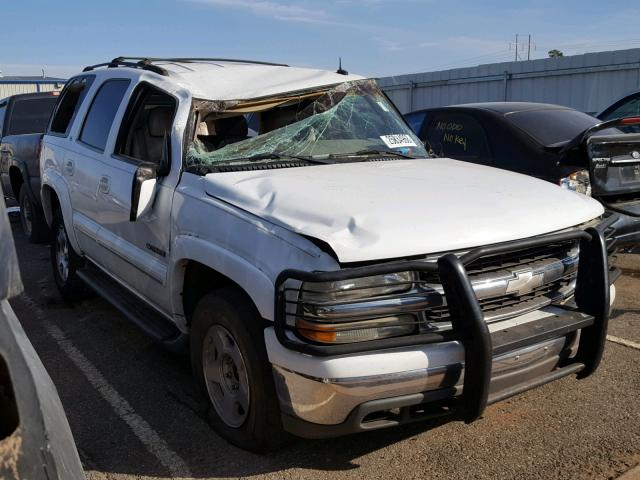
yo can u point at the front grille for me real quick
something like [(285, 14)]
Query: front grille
[(516, 282), (506, 285)]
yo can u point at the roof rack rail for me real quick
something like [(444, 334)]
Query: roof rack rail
[(142, 63), (201, 59)]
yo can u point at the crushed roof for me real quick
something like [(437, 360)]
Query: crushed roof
[(238, 80)]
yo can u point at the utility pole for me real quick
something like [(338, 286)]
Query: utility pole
[(519, 50)]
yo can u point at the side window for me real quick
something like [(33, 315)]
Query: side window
[(30, 115), (147, 125), (415, 121), (68, 103), (102, 111), (630, 108), (458, 136)]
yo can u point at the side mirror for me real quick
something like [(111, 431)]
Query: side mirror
[(143, 192)]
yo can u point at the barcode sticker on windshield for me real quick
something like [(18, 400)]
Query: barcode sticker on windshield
[(398, 141)]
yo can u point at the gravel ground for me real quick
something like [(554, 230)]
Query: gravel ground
[(139, 403)]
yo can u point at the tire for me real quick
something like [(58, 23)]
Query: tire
[(32, 219), (65, 262), (227, 336)]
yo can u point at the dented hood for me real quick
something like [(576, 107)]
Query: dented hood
[(381, 210)]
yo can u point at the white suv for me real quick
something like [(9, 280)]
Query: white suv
[(327, 277)]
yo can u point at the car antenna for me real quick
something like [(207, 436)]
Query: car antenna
[(340, 70)]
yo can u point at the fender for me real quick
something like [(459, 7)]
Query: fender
[(253, 281), (53, 181)]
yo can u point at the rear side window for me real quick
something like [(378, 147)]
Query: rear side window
[(457, 136), (630, 108), (549, 127), (68, 104), (104, 106), (415, 121), (30, 115)]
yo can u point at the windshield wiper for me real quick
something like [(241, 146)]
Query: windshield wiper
[(361, 153), (280, 156)]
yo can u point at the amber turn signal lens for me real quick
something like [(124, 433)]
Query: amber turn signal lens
[(356, 331)]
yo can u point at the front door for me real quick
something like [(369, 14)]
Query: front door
[(138, 250)]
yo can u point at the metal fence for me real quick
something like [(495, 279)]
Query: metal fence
[(15, 85), (588, 82)]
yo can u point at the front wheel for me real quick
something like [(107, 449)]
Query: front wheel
[(229, 361), (65, 262)]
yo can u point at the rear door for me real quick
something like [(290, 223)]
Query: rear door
[(84, 161), (459, 136)]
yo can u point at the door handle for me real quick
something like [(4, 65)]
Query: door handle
[(68, 167), (104, 184)]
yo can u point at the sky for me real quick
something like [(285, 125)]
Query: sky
[(373, 37)]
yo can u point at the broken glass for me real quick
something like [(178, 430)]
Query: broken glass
[(353, 117)]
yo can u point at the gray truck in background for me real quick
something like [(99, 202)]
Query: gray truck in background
[(23, 119)]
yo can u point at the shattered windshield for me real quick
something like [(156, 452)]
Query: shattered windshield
[(349, 122)]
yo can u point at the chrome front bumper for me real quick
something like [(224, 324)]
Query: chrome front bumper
[(327, 401), (455, 373)]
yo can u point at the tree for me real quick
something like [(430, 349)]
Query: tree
[(555, 53)]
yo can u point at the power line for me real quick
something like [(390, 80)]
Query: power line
[(520, 47), (602, 43), (501, 54)]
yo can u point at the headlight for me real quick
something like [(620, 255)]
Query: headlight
[(358, 288), (355, 310), (578, 182)]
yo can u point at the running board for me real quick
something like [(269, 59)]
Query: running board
[(147, 318)]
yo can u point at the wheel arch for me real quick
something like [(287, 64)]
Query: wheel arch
[(202, 267), (52, 200), (50, 203)]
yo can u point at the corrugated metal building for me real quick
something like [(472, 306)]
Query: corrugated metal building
[(14, 85), (588, 82)]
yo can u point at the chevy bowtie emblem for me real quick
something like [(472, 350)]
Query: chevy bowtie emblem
[(524, 281)]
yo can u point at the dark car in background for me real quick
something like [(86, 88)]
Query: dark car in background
[(551, 142), (627, 106), (23, 120)]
